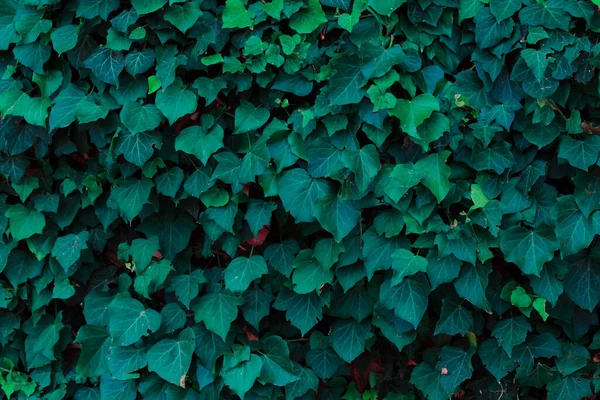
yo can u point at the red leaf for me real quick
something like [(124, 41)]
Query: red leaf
[(249, 334), (260, 238)]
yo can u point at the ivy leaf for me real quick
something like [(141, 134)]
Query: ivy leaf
[(258, 214), (24, 222), (529, 249), (457, 364), (511, 332), (137, 148), (217, 311), (130, 196), (201, 141), (241, 271), (277, 368), (171, 358), (249, 118), (142, 251), (183, 17), (147, 6), (570, 387), (405, 263), (408, 299), (67, 249), (241, 378), (502, 9), (308, 18), (346, 85), (413, 113), (138, 118), (337, 215), (176, 101), (581, 283), (435, 174), (580, 153), (454, 318), (187, 286), (302, 310), (106, 65), (235, 15), (348, 338), (129, 320), (573, 229)]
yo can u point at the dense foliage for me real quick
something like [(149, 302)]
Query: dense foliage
[(299, 199)]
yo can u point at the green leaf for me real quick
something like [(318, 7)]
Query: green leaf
[(427, 379), (187, 286), (511, 332), (241, 378), (405, 263), (489, 31), (67, 249), (129, 320), (64, 38), (309, 18), (573, 230), (183, 17), (454, 318), (458, 366), (408, 299), (302, 310), (235, 15), (106, 65), (346, 84), (277, 367), (241, 271), (95, 346), (249, 118), (147, 6), (137, 148), (258, 214), (201, 141), (130, 196), (171, 358), (176, 101), (24, 222), (414, 112), (124, 361), (581, 283), (217, 311), (570, 387), (142, 251), (336, 214), (308, 275), (138, 118), (502, 9), (435, 174), (580, 153), (536, 60), (365, 165), (472, 284), (348, 338), (549, 15), (530, 249)]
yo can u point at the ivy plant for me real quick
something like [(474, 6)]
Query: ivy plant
[(299, 199)]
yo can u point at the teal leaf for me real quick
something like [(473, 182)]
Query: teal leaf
[(277, 367), (129, 320), (217, 311), (241, 271), (171, 358), (348, 338)]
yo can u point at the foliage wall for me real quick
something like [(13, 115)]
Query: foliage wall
[(355, 199)]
